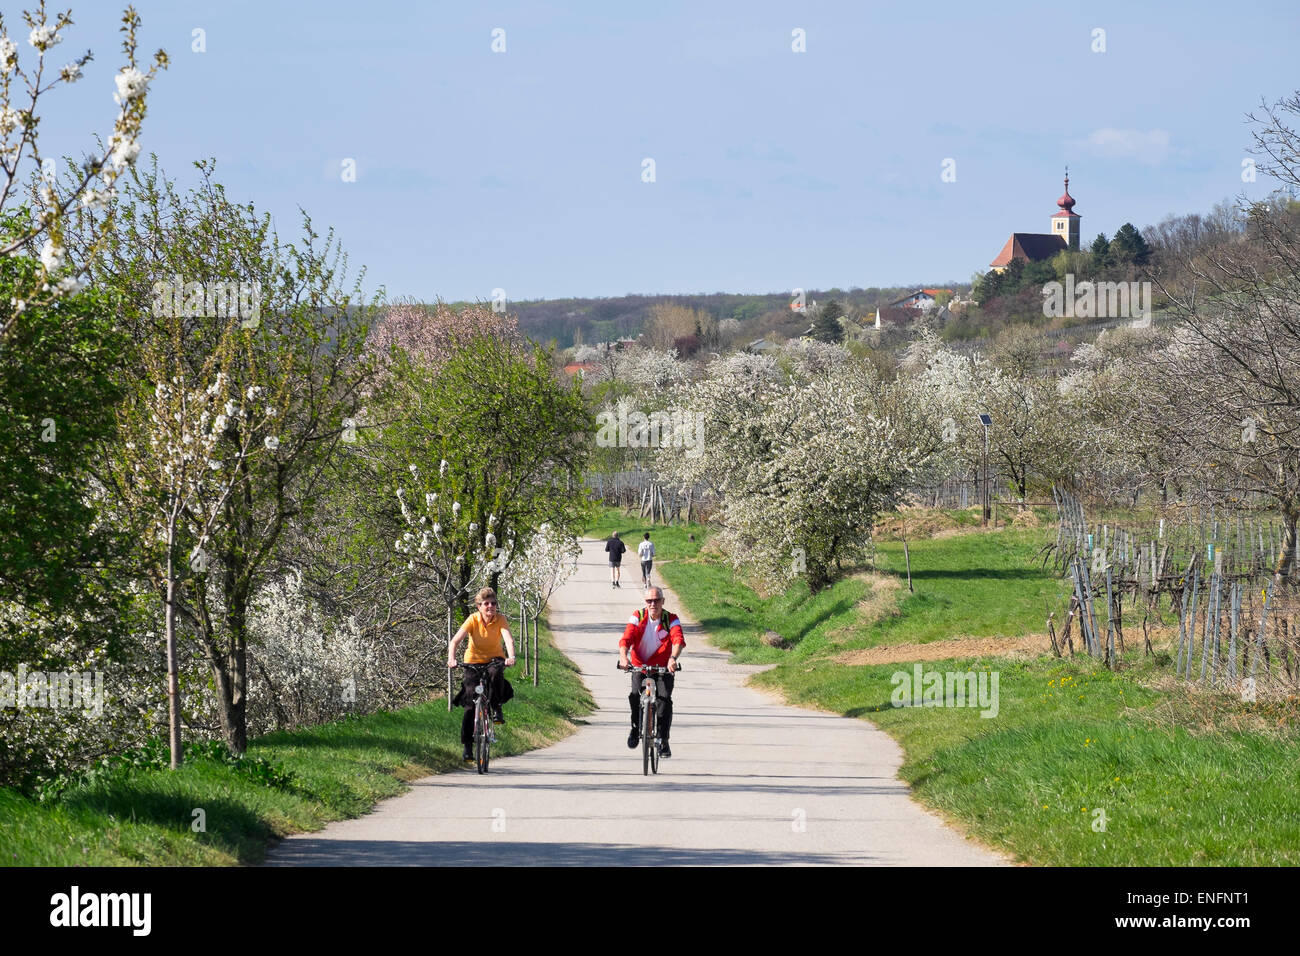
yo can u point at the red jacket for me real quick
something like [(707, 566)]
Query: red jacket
[(636, 626)]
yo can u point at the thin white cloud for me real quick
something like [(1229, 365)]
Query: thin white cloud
[(1146, 146)]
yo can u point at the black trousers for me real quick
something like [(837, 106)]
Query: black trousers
[(493, 676), (663, 701)]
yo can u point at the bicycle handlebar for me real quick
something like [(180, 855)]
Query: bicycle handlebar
[(647, 668), (465, 663)]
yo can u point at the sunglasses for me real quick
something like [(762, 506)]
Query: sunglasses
[(488, 604), (654, 600)]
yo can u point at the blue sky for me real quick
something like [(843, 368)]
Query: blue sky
[(522, 170)]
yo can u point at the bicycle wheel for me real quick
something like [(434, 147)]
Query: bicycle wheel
[(654, 749), (482, 743), (647, 733)]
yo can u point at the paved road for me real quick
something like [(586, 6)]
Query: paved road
[(751, 781)]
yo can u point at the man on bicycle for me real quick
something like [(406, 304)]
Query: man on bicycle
[(489, 641), (652, 638)]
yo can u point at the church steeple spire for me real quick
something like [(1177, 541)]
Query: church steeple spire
[(1066, 222), (1066, 202)]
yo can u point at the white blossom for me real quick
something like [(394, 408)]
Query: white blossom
[(94, 199), (131, 83), (124, 153), (44, 37), (51, 256)]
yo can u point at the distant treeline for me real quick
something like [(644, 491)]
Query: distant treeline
[(569, 321)]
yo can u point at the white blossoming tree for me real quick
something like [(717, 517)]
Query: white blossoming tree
[(303, 367), (87, 186), (1033, 437), (442, 543), (490, 442), (184, 451), (804, 466)]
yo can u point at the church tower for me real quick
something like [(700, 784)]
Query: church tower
[(1066, 222)]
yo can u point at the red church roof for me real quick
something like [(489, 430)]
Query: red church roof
[(1029, 246)]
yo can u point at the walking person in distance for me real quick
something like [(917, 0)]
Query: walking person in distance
[(646, 551), (615, 548)]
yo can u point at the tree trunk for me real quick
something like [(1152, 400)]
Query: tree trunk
[(1284, 569), (232, 661), (173, 679)]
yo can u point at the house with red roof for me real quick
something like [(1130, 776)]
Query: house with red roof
[(923, 299)]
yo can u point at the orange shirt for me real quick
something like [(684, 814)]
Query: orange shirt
[(485, 640)]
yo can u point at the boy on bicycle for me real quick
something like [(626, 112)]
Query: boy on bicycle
[(489, 641), (652, 638)]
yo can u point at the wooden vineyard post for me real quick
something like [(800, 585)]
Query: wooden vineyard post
[(1109, 656), (523, 630), (1263, 625), (1077, 574), (1182, 616), (1091, 609), (1235, 599), (1211, 620), (1191, 627), (1067, 639)]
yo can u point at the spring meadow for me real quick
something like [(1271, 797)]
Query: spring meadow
[(354, 363)]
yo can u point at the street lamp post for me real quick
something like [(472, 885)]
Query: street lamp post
[(985, 420)]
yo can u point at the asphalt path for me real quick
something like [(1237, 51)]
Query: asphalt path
[(751, 781)]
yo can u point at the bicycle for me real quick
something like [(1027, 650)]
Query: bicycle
[(485, 734), (650, 742)]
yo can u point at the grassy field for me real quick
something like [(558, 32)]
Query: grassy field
[(336, 771), (1080, 766), (1006, 598)]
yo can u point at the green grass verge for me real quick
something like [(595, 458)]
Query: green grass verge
[(339, 770), (1075, 748), (1081, 766)]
